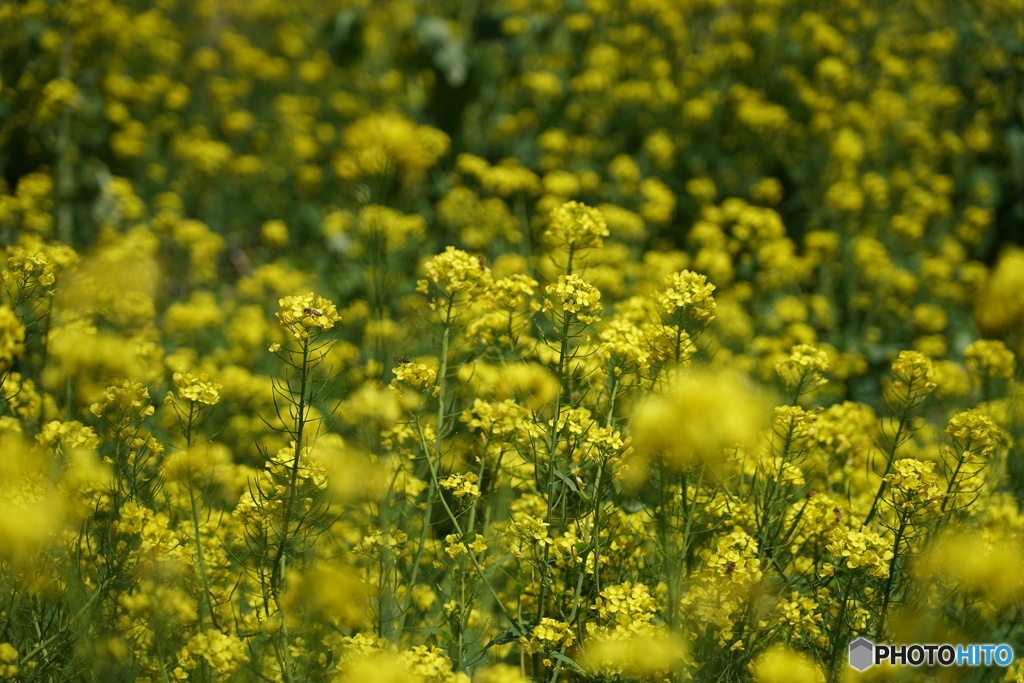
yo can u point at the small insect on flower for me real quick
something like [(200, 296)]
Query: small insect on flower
[(730, 567), (312, 311), (482, 261), (402, 360), (838, 515)]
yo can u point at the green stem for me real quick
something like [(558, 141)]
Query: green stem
[(552, 445), (887, 592), (598, 495), (205, 602), (300, 423), (460, 532), (890, 458), (23, 663), (837, 646)]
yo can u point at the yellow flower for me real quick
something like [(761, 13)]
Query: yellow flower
[(454, 279), (197, 388), (274, 233), (861, 549), (803, 370), (461, 485), (915, 486), (687, 300), (576, 296), (8, 661), (223, 652), (419, 376), (990, 358), (698, 417), (976, 562), (126, 398), (779, 664), (499, 673), (1001, 308), (575, 225), (550, 634), (12, 338), (300, 314), (386, 142), (913, 371), (636, 649), (974, 431)]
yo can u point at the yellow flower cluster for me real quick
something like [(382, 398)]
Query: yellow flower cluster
[(625, 602), (68, 435), (699, 417), (12, 338), (1001, 307), (800, 615), (28, 270), (497, 419), (222, 651), (804, 370), (688, 295), (527, 530), (123, 401), (454, 547), (512, 292), (389, 142), (572, 294), (419, 376), (462, 486), (625, 347), (301, 314), (8, 661), (573, 226), (975, 432), (973, 564), (915, 487), (572, 442), (550, 634), (861, 549), (990, 358), (913, 371), (197, 388), (780, 664), (454, 279)]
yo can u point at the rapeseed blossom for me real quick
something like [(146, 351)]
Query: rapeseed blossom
[(574, 226), (12, 338), (568, 246), (572, 294), (697, 420), (300, 314)]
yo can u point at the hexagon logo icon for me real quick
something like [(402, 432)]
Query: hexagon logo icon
[(862, 653)]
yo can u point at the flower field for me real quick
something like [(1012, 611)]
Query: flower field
[(499, 341)]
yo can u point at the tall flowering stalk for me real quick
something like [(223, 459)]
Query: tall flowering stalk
[(27, 287), (672, 440), (195, 395), (572, 305), (284, 502), (455, 281), (916, 498), (121, 409), (913, 383), (778, 476)]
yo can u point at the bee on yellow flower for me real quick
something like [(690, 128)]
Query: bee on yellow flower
[(300, 314)]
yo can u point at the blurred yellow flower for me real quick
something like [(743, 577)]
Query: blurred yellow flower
[(779, 664), (696, 420)]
